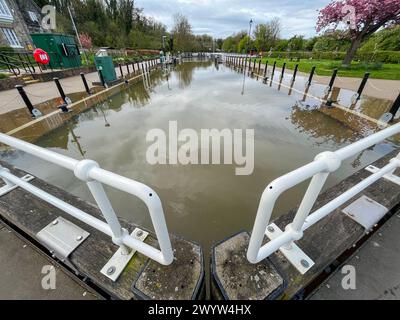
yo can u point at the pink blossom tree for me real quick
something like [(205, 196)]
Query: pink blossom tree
[(362, 17), (86, 41)]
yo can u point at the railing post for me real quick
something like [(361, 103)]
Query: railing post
[(85, 83), (60, 89), (312, 193), (127, 68), (24, 97), (106, 208)]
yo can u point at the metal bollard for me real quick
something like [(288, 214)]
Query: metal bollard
[(133, 65), (24, 97), (85, 84), (127, 68), (60, 89), (254, 65), (259, 67), (311, 76)]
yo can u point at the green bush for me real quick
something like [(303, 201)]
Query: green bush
[(378, 56)]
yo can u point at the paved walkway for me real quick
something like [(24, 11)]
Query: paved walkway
[(21, 273), (377, 269), (43, 91)]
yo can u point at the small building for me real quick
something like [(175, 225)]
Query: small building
[(18, 19)]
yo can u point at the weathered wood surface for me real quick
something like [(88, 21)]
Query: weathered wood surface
[(30, 214), (331, 237), (251, 281)]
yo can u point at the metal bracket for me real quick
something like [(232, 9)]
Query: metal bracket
[(390, 177), (366, 212), (10, 186), (116, 265), (292, 252), (62, 237)]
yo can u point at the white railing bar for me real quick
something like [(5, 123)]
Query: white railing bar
[(71, 210), (47, 155), (319, 170), (343, 198), (90, 172)]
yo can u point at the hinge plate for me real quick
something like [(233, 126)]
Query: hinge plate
[(294, 254), (116, 265), (62, 237)]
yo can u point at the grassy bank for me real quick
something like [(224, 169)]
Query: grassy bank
[(357, 70)]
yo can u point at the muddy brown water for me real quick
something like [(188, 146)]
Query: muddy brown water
[(203, 203)]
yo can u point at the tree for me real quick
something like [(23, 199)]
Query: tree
[(363, 18), (182, 32), (86, 41), (296, 43), (266, 35)]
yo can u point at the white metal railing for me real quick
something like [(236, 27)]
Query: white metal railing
[(90, 172), (319, 170)]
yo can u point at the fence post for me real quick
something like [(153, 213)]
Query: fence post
[(120, 70), (60, 89), (395, 107), (85, 83), (127, 68), (24, 97), (283, 70), (266, 68), (103, 82), (311, 75), (331, 83), (362, 85), (296, 68)]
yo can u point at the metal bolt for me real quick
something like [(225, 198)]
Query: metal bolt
[(79, 238), (55, 222), (304, 263), (271, 229), (139, 233), (111, 270)]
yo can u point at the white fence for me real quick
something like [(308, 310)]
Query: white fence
[(90, 172), (319, 170)]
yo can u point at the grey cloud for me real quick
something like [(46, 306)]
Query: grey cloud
[(220, 18)]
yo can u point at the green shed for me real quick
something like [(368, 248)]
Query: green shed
[(62, 49)]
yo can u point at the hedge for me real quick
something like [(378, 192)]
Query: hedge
[(378, 56)]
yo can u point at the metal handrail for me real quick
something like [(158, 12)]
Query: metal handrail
[(90, 172), (319, 170)]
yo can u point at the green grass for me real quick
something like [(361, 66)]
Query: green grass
[(357, 70)]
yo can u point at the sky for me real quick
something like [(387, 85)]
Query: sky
[(221, 18)]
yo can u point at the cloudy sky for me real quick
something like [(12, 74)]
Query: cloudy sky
[(220, 18)]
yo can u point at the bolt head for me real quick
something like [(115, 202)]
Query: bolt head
[(271, 229), (111, 270), (305, 263), (139, 233), (79, 238), (55, 222)]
